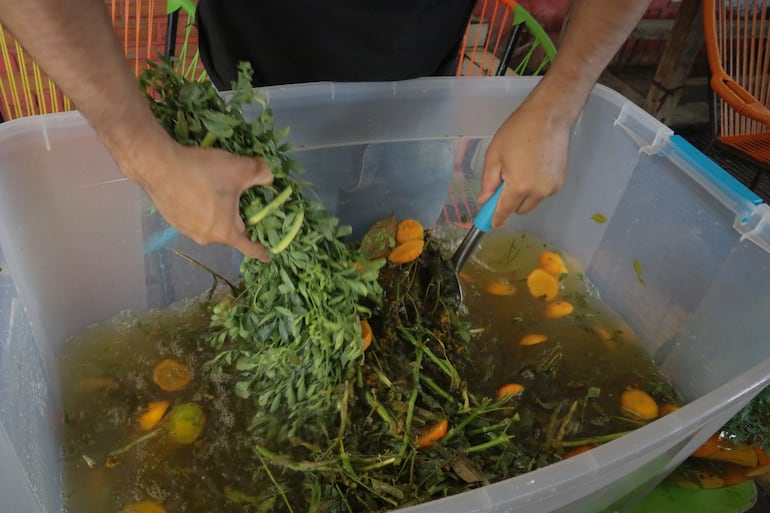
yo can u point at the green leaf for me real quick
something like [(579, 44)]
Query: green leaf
[(181, 131), (242, 389), (282, 134), (239, 497), (246, 364), (380, 238), (593, 392), (638, 270), (219, 124), (284, 311)]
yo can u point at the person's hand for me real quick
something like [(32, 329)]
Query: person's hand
[(197, 191), (528, 153)]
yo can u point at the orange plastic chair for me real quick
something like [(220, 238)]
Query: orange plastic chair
[(146, 28), (737, 34)]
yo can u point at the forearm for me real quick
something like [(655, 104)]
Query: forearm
[(596, 30), (196, 190), (529, 151), (74, 43)]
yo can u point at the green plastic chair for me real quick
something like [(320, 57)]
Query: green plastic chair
[(527, 51)]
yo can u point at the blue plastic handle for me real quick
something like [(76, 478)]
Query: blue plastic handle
[(483, 220)]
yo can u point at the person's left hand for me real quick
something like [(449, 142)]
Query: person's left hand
[(528, 153)]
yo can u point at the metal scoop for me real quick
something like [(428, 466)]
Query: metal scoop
[(482, 223)]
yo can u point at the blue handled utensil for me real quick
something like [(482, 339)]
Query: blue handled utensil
[(482, 223)]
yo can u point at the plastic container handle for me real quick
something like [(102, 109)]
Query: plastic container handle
[(483, 220)]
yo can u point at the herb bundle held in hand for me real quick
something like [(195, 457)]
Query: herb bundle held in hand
[(292, 329)]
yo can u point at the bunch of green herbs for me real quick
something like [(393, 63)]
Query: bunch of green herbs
[(291, 328), (415, 374)]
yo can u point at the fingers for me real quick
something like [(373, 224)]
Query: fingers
[(517, 198), (491, 177), (262, 175), (506, 206), (240, 241), (250, 172), (249, 248), (233, 235), (226, 226), (253, 172), (199, 193), (521, 194), (529, 204)]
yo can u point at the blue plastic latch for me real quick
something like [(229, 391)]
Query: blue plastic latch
[(713, 173), (709, 175), (752, 216)]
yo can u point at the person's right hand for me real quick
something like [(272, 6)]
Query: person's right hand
[(197, 191)]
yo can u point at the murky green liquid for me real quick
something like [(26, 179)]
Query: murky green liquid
[(107, 385), (597, 352)]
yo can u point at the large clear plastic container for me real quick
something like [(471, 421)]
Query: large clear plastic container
[(80, 244)]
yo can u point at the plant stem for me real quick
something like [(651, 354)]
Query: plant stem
[(343, 499), (636, 422), (382, 412), (279, 200), (594, 439), (498, 440), (344, 412), (552, 421), (381, 464), (206, 268), (275, 483), (292, 233), (382, 377), (139, 440), (445, 366), (459, 427), (412, 401), (493, 427), (565, 423), (346, 466), (208, 140), (297, 466), (437, 389)]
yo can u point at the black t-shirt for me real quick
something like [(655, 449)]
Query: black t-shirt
[(294, 41)]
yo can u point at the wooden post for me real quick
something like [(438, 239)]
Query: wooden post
[(684, 42)]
